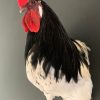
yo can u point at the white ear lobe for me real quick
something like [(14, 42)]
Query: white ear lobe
[(40, 11)]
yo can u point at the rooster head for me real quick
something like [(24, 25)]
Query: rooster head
[(32, 16)]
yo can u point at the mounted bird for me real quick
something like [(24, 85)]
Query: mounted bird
[(55, 63)]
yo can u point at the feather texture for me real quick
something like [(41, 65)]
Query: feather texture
[(55, 63), (81, 90)]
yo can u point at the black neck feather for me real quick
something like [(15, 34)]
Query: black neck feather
[(53, 44)]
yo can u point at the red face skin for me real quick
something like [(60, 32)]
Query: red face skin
[(31, 19)]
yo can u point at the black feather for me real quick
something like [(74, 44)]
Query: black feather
[(53, 44)]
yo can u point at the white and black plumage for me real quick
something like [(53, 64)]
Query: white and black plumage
[(55, 63)]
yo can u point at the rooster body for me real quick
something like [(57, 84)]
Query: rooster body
[(55, 63), (67, 90)]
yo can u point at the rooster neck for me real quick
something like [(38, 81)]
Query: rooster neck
[(53, 44)]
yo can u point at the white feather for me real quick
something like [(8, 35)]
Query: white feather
[(68, 91), (85, 49)]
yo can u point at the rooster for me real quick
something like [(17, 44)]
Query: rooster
[(55, 63)]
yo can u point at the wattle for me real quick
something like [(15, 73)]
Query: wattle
[(31, 21)]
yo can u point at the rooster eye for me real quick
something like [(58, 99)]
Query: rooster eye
[(35, 1)]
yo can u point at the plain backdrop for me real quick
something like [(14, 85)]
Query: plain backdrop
[(81, 18)]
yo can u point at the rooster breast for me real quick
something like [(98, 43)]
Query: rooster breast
[(48, 85)]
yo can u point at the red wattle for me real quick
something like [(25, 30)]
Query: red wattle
[(22, 3), (24, 25), (31, 21)]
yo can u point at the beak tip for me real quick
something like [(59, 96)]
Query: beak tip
[(20, 11)]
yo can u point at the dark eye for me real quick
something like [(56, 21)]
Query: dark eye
[(35, 1)]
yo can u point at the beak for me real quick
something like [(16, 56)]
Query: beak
[(22, 10)]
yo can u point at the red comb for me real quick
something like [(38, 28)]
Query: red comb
[(22, 3)]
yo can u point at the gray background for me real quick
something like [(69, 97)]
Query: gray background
[(81, 18)]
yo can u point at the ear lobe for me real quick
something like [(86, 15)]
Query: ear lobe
[(40, 11), (32, 20)]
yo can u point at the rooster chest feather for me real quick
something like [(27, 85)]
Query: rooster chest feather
[(55, 63), (37, 76), (48, 85)]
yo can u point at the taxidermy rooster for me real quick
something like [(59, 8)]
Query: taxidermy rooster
[(55, 63)]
